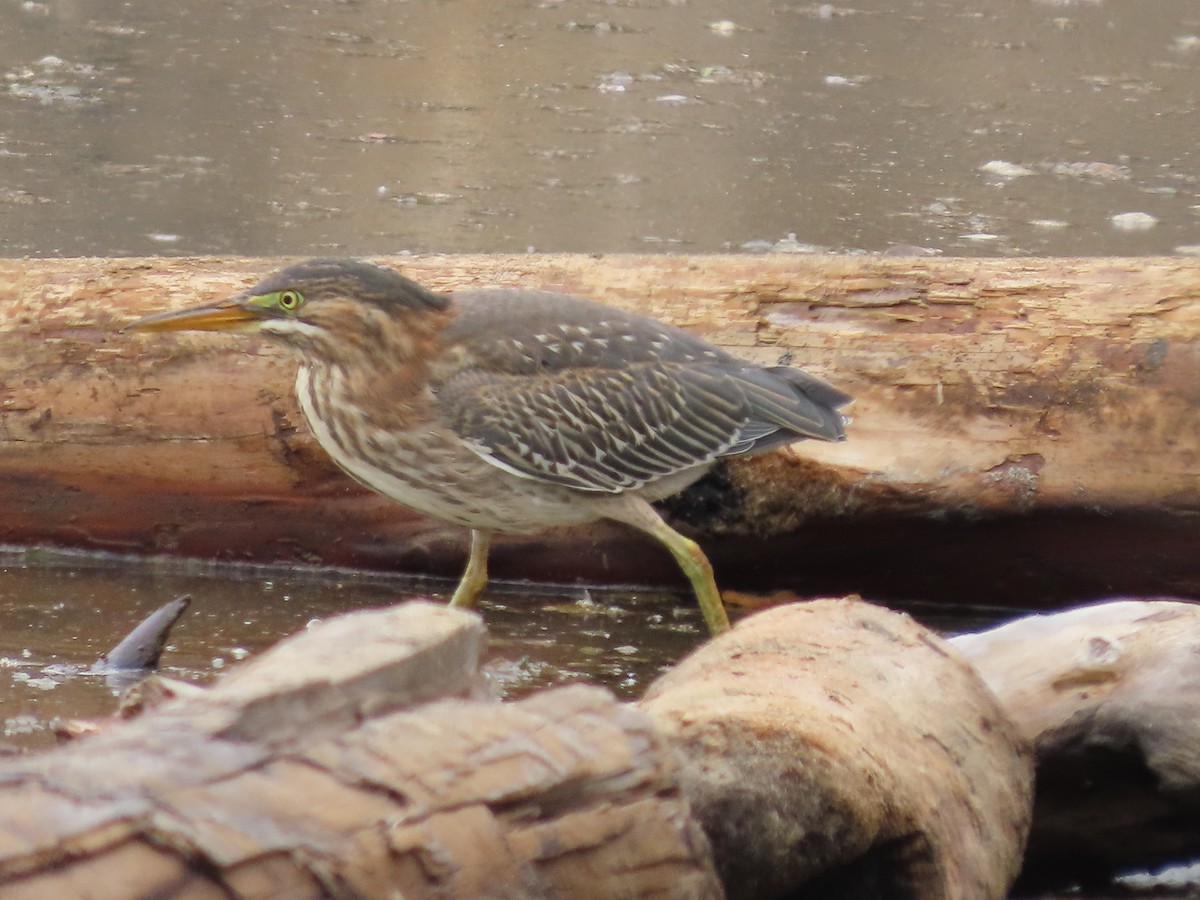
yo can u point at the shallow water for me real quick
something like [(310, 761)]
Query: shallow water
[(61, 611)]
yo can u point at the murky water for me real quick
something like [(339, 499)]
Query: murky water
[(969, 127), (60, 611), (1050, 127)]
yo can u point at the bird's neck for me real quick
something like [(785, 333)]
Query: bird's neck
[(387, 394)]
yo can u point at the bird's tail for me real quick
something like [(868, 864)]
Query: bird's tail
[(789, 405)]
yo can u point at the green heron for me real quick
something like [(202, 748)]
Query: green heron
[(512, 410)]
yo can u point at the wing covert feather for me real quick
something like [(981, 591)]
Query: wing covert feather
[(604, 430)]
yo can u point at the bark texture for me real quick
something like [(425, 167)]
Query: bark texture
[(836, 749), (1110, 697), (1054, 404), (352, 761)]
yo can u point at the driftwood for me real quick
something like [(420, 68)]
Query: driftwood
[(141, 649), (305, 773), (836, 749), (823, 749), (1110, 697), (1050, 405)]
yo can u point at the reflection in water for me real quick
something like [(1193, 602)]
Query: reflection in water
[(376, 127)]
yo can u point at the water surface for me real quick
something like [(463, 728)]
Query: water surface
[(970, 127)]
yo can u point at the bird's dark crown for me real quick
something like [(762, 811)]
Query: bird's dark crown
[(358, 280)]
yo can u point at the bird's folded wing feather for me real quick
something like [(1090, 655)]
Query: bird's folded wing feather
[(597, 429)]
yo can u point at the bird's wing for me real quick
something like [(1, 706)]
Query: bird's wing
[(605, 430)]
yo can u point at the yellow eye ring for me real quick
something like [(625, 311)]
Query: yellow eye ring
[(289, 300)]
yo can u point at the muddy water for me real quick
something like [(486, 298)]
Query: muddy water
[(970, 127), (965, 127), (61, 611)]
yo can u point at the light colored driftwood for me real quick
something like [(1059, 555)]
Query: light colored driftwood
[(1110, 696), (984, 387), (309, 772), (835, 745)]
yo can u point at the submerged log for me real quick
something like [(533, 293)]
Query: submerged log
[(352, 761), (1109, 695), (836, 749), (1053, 403)]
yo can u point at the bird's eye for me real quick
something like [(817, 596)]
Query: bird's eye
[(289, 300)]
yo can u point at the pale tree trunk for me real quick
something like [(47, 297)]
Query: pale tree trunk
[(1052, 403)]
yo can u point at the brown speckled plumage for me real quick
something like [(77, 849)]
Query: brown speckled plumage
[(514, 411)]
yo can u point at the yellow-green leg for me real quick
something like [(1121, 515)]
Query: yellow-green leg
[(474, 577), (641, 515)]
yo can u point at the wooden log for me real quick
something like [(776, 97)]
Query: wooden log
[(836, 749), (351, 761), (1054, 402), (1110, 697)]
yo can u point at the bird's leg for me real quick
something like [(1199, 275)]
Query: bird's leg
[(637, 512), (474, 577)]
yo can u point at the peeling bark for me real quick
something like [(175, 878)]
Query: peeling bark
[(352, 761), (1057, 394)]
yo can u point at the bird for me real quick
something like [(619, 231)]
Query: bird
[(512, 410)]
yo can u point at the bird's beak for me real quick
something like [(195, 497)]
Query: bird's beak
[(233, 314)]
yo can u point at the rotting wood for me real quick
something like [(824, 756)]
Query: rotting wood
[(351, 761), (1060, 394), (834, 746), (1109, 695)]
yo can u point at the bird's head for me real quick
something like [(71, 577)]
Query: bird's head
[(323, 308)]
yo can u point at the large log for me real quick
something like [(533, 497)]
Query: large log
[(836, 749), (352, 761), (1109, 695), (1053, 403)]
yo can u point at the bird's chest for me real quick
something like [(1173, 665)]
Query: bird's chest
[(404, 453), (370, 431)]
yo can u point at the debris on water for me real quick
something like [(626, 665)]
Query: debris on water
[(423, 198), (41, 682), (1186, 43), (787, 244), (910, 250), (1002, 169), (615, 83), (23, 724), (1096, 171), (597, 27), (845, 80), (723, 27), (52, 80), (1188, 249), (143, 646), (1049, 224), (1133, 221)]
